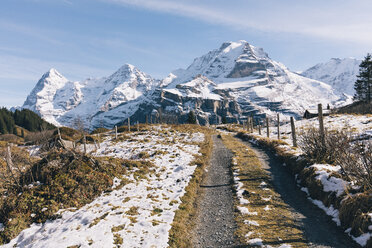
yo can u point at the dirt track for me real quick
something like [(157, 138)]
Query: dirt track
[(216, 224), (318, 227)]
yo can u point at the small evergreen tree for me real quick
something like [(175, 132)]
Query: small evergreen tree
[(363, 85), (2, 125), (191, 118), (224, 119)]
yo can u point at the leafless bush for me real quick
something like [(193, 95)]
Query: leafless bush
[(14, 162), (356, 163), (38, 138), (323, 149), (338, 148)]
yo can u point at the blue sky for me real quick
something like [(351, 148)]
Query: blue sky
[(93, 38)]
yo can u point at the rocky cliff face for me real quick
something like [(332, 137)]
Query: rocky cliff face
[(234, 81)]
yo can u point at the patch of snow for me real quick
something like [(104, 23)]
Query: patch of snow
[(326, 167), (362, 239), (330, 183), (256, 241), (251, 222), (331, 211), (266, 199), (305, 190), (132, 206), (285, 246), (245, 210)]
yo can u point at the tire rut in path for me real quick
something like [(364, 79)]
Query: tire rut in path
[(215, 225), (319, 229)]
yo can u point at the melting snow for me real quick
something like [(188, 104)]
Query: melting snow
[(143, 209)]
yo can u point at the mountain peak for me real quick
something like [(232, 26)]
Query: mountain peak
[(52, 73), (127, 67), (124, 71)]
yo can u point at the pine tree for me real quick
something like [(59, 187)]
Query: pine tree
[(363, 85), (2, 125), (191, 119), (224, 119)]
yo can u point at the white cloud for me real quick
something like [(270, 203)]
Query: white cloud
[(348, 21)]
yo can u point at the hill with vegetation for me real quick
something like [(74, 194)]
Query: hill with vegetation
[(22, 118)]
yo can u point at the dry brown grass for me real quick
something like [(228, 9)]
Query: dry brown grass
[(277, 225), (180, 235)]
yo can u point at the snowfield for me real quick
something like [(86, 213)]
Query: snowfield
[(138, 214)]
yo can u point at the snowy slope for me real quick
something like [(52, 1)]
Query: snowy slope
[(97, 102), (142, 211), (341, 74), (254, 80), (41, 98)]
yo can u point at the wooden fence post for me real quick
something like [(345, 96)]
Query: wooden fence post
[(294, 139), (252, 123), (128, 124), (85, 144), (137, 126), (267, 127), (278, 126), (10, 165), (59, 133), (321, 124), (116, 132), (147, 119), (259, 129), (99, 141)]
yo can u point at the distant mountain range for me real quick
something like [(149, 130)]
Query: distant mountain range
[(233, 81), (341, 74)]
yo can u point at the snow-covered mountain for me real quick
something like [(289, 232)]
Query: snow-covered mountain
[(235, 80), (97, 102), (341, 74), (245, 74)]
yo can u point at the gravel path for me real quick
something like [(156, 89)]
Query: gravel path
[(216, 225), (319, 229)]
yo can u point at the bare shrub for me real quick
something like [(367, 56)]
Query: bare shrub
[(14, 162), (323, 149), (356, 163), (338, 148), (38, 138)]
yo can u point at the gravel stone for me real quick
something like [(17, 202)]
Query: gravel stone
[(216, 224)]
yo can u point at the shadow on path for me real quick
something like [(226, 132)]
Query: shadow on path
[(216, 225), (318, 227)]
